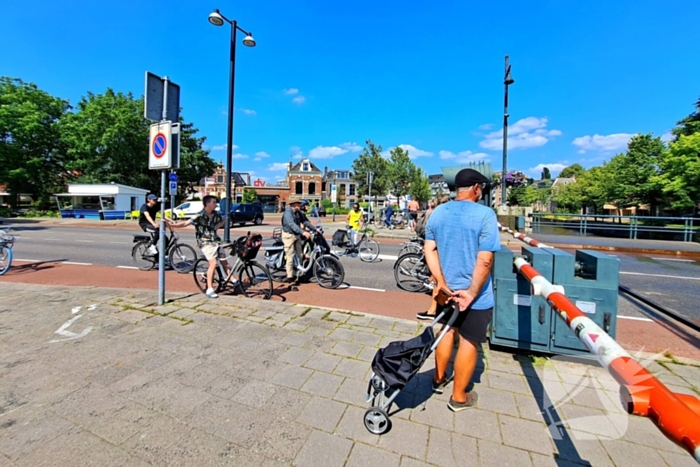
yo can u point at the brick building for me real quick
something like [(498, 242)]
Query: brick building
[(347, 186)]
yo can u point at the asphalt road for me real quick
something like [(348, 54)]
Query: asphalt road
[(672, 282)]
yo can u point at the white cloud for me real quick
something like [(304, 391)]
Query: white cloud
[(261, 154), (222, 147), (613, 142), (530, 132), (298, 156), (464, 157), (249, 112), (277, 166), (352, 147), (291, 91), (239, 156), (668, 137), (413, 152), (326, 152), (554, 169), (486, 126), (299, 100)]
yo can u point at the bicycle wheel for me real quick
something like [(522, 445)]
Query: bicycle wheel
[(255, 281), (369, 250), (379, 224), (200, 276), (329, 272), (339, 250), (410, 247), (411, 272), (5, 259), (182, 258), (143, 261)]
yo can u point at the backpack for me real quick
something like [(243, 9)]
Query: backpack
[(420, 226), (339, 237)]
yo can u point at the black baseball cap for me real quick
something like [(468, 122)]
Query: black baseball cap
[(152, 196), (469, 177)]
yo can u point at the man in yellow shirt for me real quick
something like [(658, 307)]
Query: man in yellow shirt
[(356, 222)]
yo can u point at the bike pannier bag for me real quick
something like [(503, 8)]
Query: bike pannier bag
[(339, 237)]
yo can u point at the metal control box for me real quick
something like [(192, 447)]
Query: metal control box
[(590, 280), (519, 318)]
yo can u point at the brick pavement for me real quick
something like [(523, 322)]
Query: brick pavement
[(241, 382)]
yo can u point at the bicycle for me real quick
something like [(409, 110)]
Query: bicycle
[(412, 274), (254, 279), (413, 245), (367, 248), (397, 222), (6, 242), (181, 256)]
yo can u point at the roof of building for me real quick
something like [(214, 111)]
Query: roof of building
[(312, 166), (564, 181)]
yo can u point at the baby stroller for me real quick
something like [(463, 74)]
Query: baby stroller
[(395, 365)]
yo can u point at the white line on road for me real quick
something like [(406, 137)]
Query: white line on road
[(79, 264), (127, 267), (388, 257), (636, 318), (27, 260), (674, 259), (86, 241), (660, 275), (366, 288)]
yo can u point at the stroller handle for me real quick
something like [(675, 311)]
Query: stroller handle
[(448, 325)]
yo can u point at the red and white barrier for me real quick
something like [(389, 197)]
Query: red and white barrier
[(529, 240), (676, 415)]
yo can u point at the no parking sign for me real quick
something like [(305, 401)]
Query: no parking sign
[(160, 147)]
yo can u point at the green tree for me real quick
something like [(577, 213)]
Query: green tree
[(545, 174), (250, 195), (31, 153), (681, 172), (371, 160), (401, 172), (195, 163), (420, 186), (690, 124), (574, 170)]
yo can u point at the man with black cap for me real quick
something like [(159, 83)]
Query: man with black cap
[(147, 221), (460, 239)]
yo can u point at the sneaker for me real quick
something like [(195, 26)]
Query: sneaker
[(211, 294), (424, 315), (472, 399), (438, 388), (152, 250)]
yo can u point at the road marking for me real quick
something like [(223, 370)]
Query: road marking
[(86, 241), (661, 275), (79, 264), (62, 331), (636, 318), (127, 267), (366, 288), (674, 259), (27, 260), (388, 257)]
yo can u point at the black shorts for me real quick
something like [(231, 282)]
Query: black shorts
[(414, 215), (471, 324)]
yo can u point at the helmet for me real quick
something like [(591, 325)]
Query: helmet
[(305, 202)]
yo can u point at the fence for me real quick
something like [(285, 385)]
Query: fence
[(633, 227)]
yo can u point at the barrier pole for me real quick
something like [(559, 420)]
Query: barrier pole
[(676, 415), (529, 240)]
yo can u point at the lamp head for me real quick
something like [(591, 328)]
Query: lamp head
[(249, 41), (508, 80), (216, 19)]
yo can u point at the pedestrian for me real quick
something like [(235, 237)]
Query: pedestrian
[(413, 208), (420, 231), (388, 213), (460, 239), (355, 220)]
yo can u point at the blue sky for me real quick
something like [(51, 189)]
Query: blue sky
[(326, 76)]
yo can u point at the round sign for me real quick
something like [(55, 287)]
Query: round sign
[(160, 144)]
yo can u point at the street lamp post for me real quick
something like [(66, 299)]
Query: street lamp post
[(507, 81), (217, 19), (335, 187)]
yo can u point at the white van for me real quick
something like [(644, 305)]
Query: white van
[(189, 209)]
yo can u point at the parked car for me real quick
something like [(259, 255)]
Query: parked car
[(241, 213), (187, 210)]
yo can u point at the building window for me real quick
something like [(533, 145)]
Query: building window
[(220, 179), (134, 203), (312, 188), (351, 187), (341, 189), (305, 167), (299, 188), (323, 186)]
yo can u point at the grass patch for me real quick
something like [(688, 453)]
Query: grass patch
[(304, 313)]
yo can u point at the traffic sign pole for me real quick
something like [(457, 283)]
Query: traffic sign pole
[(161, 246)]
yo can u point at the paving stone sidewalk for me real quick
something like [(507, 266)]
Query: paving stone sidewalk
[(92, 376)]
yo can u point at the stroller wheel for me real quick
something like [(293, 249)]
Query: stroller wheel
[(377, 421)]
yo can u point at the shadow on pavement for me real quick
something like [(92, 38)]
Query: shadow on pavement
[(26, 268)]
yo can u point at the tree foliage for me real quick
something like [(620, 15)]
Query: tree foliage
[(250, 195), (574, 170), (545, 174), (371, 160), (31, 153), (402, 172), (680, 180), (689, 125), (420, 186)]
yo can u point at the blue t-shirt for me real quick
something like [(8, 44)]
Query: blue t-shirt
[(460, 230)]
